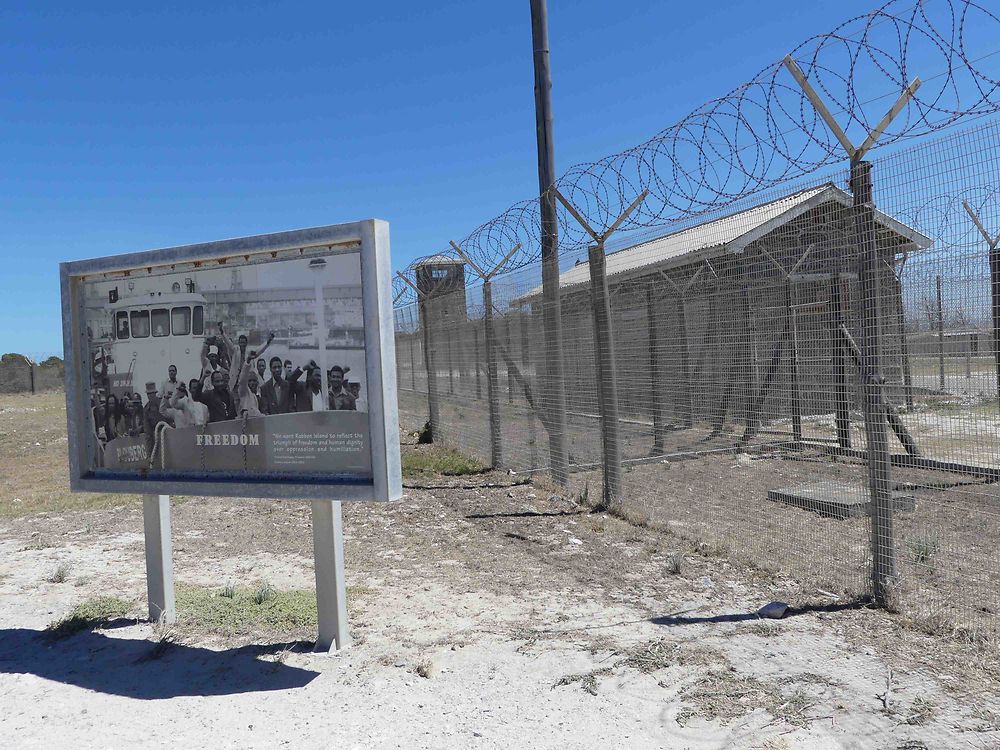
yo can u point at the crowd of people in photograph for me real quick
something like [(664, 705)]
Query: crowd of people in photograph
[(235, 381)]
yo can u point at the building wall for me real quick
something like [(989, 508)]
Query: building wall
[(736, 332), (16, 374)]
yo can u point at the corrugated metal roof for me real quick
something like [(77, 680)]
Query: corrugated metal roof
[(729, 234)]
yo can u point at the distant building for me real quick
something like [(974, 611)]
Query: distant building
[(952, 342)]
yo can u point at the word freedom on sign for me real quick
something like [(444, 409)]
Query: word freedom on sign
[(227, 439)]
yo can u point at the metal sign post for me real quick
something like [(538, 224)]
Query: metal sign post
[(159, 558), (331, 585), (328, 557)]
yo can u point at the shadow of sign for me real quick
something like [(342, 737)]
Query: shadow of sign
[(681, 618), (130, 668)]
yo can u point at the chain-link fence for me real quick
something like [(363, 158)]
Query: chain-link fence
[(806, 379)]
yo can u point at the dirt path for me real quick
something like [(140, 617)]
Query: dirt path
[(484, 617)]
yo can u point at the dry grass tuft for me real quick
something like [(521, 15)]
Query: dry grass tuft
[(982, 637), (761, 629), (921, 712), (648, 658), (656, 655), (675, 563), (629, 514), (725, 695), (894, 599), (988, 716), (924, 548), (60, 574), (587, 680), (38, 544), (164, 639), (281, 656)]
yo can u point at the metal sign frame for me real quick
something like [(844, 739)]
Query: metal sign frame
[(372, 238)]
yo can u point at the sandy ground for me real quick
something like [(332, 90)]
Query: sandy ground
[(537, 623), (701, 488), (486, 614)]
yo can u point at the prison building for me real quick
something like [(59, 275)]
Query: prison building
[(951, 342), (736, 320)]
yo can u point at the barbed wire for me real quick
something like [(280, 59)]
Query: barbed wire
[(766, 132)]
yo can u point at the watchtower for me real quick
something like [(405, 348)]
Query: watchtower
[(441, 281)]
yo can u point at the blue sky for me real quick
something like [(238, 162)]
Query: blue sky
[(124, 128)]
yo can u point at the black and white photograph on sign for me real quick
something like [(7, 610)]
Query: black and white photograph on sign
[(243, 367)]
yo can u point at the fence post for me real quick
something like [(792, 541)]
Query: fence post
[(842, 408), (526, 365), (794, 374), (604, 350), (904, 350), (492, 379), (413, 361), (995, 305), (745, 370), (968, 365), (682, 393), (993, 243), (940, 327), (492, 383), (722, 341), (510, 374), (687, 407), (449, 338), (656, 387), (424, 321), (870, 271), (479, 387), (606, 378), (430, 365)]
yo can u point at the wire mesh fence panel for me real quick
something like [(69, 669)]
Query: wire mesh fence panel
[(806, 378), (946, 545), (724, 337), (411, 368), (519, 337)]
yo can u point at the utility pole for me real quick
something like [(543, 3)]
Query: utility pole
[(553, 384)]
